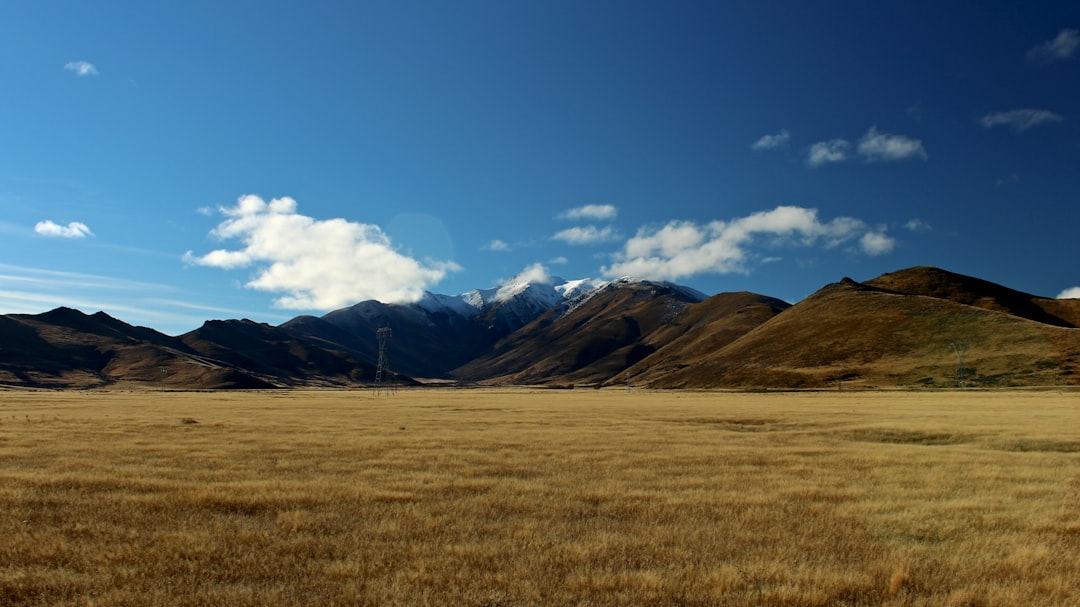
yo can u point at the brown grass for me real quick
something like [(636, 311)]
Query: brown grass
[(503, 497)]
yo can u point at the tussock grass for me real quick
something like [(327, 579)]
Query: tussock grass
[(504, 497)]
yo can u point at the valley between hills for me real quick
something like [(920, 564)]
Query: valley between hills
[(915, 328)]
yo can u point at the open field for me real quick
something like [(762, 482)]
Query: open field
[(556, 497)]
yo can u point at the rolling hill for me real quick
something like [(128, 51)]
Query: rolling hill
[(860, 335)]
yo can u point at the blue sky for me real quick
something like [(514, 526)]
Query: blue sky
[(173, 162)]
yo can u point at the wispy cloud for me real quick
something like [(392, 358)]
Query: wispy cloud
[(599, 212), (685, 248), (497, 245), (1020, 120), (74, 229), (317, 264), (1071, 293), (1063, 46), (917, 225), (876, 146), (768, 142), (81, 68), (584, 235), (827, 152), (1010, 179)]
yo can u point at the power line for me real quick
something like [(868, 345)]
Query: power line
[(383, 335)]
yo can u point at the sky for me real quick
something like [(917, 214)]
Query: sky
[(174, 162)]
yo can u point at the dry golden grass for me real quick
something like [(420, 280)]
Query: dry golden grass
[(503, 497)]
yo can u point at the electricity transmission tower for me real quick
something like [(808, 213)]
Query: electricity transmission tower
[(383, 335), (960, 347)]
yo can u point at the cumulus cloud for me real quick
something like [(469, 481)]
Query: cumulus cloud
[(685, 248), (1063, 46), (497, 245), (81, 68), (599, 212), (317, 264), (876, 146), (827, 152), (584, 235), (1020, 120), (74, 229), (876, 243), (1071, 293), (768, 142)]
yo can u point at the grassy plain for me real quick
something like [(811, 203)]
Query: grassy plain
[(531, 497)]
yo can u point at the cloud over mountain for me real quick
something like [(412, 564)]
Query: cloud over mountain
[(317, 264), (686, 248)]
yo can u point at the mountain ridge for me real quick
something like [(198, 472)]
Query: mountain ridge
[(895, 330)]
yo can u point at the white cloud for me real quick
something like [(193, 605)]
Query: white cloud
[(532, 274), (536, 273), (497, 245), (1020, 120), (1072, 293), (558, 261), (917, 225), (1063, 46), (317, 264), (876, 146), (74, 229), (81, 68), (876, 243), (827, 152), (686, 248), (768, 142), (586, 235), (599, 212)]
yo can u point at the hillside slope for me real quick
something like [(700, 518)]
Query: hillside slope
[(967, 290), (866, 336), (706, 328)]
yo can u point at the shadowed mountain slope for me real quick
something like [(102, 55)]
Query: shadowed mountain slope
[(589, 340), (64, 348), (423, 343), (703, 330), (275, 355)]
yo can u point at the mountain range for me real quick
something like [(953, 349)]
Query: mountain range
[(919, 327)]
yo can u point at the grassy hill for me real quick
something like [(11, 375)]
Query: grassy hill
[(866, 336)]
